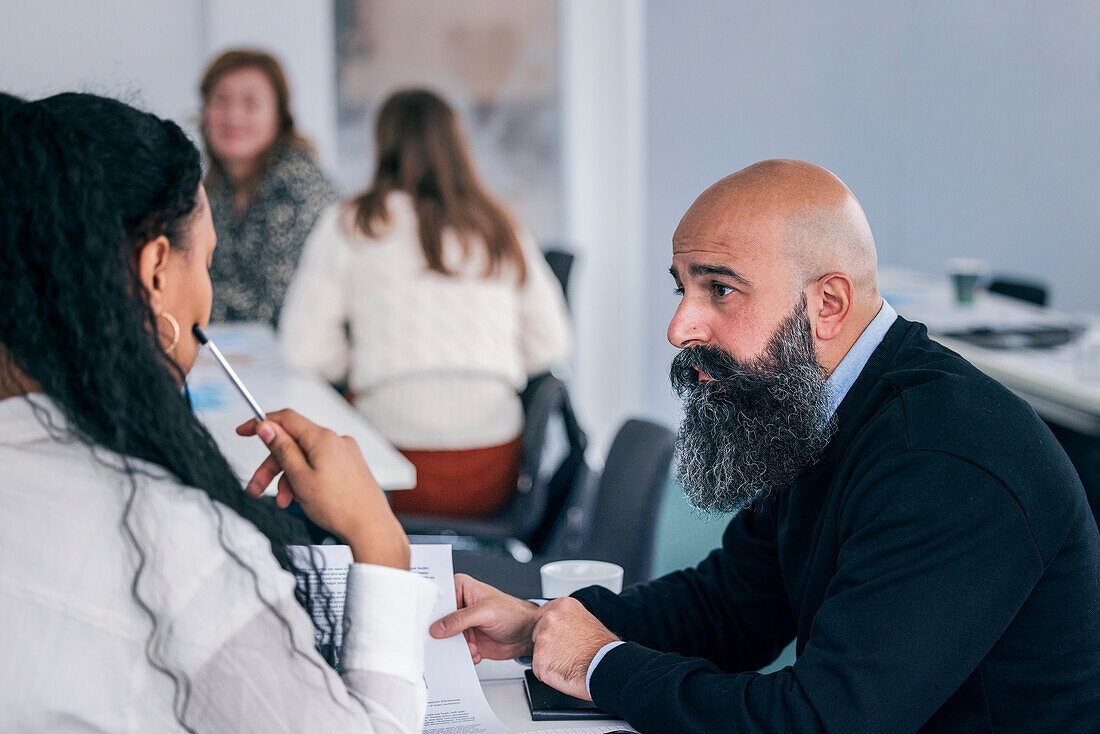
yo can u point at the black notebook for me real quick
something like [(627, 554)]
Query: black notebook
[(548, 704)]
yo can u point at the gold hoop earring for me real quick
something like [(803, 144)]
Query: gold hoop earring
[(175, 330)]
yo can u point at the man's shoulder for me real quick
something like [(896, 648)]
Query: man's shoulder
[(937, 403), (946, 404)]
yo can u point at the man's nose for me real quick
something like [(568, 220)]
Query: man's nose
[(688, 327)]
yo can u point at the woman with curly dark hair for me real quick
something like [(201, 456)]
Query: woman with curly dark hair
[(141, 589)]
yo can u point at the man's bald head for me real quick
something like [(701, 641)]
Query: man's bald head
[(822, 226), (760, 242), (775, 268)]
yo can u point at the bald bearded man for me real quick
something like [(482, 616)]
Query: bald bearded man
[(909, 522)]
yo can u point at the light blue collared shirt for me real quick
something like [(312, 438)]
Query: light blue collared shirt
[(849, 369), (838, 385)]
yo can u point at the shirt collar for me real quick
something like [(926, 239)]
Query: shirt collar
[(846, 373)]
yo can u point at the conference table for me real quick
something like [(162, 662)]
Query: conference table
[(502, 683), (1062, 383), (253, 352)]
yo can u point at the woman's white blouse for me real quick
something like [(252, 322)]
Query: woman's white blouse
[(74, 640)]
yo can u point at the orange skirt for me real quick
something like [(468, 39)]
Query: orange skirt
[(463, 483)]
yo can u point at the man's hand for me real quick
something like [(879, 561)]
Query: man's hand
[(496, 626), (567, 637)]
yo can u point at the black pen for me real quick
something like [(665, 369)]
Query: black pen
[(205, 341)]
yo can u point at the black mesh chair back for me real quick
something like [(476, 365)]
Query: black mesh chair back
[(622, 524), (1023, 290), (621, 521), (540, 497), (542, 398), (561, 263), (558, 488)]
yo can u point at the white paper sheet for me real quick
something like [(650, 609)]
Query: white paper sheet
[(456, 703), (499, 670)]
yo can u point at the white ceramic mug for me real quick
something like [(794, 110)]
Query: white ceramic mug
[(562, 578)]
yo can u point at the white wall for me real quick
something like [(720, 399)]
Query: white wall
[(965, 128), (603, 178), (151, 54), (302, 35)]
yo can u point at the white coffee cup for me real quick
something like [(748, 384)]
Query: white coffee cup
[(562, 578)]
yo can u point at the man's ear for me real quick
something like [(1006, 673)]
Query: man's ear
[(152, 264), (834, 305)]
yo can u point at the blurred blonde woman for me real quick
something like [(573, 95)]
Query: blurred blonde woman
[(266, 189), (435, 306)]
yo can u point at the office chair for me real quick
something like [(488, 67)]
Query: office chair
[(621, 524), (561, 263), (620, 517), (1029, 291), (524, 525)]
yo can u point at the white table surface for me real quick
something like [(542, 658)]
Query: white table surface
[(252, 351), (1052, 380), (509, 703)]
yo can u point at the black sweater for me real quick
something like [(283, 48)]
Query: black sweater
[(939, 567)]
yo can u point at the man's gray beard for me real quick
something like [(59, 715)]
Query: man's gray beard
[(754, 426)]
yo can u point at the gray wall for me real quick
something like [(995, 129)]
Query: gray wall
[(151, 54), (147, 53), (964, 128)]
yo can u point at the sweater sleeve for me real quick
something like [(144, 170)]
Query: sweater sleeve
[(306, 194), (310, 193), (311, 327), (936, 559), (739, 584), (544, 323)]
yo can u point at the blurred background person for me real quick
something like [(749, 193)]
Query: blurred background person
[(436, 307), (266, 188)]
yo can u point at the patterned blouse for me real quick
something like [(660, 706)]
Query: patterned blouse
[(257, 253)]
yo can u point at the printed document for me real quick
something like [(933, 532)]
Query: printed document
[(456, 703)]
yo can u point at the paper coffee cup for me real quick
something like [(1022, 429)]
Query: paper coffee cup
[(562, 578)]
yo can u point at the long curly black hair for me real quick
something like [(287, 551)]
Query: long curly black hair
[(84, 181)]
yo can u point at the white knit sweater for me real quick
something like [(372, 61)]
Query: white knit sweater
[(435, 360)]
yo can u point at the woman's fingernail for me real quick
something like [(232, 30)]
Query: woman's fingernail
[(266, 434)]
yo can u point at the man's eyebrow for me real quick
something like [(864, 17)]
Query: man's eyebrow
[(698, 270)]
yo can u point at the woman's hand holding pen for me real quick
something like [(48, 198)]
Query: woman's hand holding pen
[(329, 478)]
